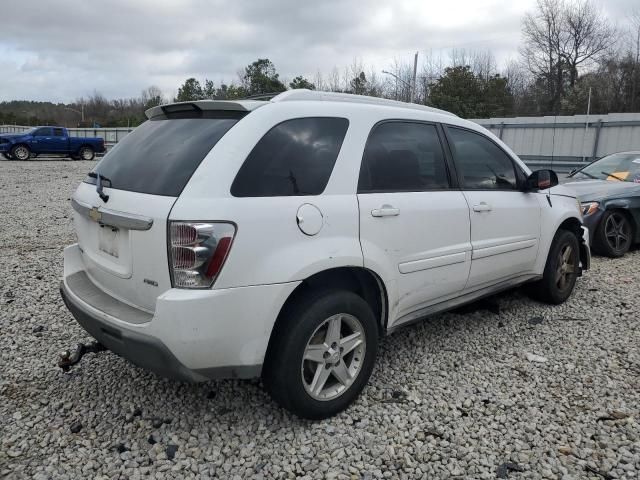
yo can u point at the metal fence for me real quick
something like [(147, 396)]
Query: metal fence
[(561, 143), (566, 142)]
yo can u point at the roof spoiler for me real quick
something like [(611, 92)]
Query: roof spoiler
[(204, 105)]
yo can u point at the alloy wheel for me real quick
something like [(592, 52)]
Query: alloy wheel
[(617, 231), (86, 154), (333, 357), (21, 153), (566, 267)]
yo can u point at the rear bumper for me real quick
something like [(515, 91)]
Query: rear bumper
[(193, 335), (140, 349)]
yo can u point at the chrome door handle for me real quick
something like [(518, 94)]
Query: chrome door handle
[(385, 211), (482, 207)]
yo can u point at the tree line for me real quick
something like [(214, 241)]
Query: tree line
[(571, 54)]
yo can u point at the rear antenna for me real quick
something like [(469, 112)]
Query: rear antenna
[(553, 150)]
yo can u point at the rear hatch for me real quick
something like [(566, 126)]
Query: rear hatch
[(124, 239)]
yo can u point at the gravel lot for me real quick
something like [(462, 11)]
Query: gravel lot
[(459, 396)]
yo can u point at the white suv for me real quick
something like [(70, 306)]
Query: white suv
[(283, 238)]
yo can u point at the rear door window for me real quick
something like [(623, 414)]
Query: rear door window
[(296, 157), (160, 155)]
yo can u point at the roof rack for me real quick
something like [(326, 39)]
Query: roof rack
[(301, 94), (261, 96)]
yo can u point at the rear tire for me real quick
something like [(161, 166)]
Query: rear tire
[(561, 270), (21, 152), (614, 235), (86, 153), (322, 353)]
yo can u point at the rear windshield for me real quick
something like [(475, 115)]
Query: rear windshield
[(160, 155)]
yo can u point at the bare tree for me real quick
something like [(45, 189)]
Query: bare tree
[(587, 36), (561, 38), (542, 33), (152, 96), (635, 52)]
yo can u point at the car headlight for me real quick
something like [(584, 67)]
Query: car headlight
[(589, 207)]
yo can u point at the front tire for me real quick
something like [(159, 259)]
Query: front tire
[(21, 152), (322, 353), (561, 270), (7, 156), (614, 234), (86, 153)]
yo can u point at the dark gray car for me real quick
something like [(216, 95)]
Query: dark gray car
[(609, 191)]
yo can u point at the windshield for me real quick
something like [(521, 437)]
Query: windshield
[(160, 155), (619, 167)]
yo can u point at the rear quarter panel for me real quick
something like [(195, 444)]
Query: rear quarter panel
[(269, 247)]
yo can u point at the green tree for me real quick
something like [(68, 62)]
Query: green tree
[(457, 91), (261, 77), (301, 82), (497, 98), (462, 92), (189, 91)]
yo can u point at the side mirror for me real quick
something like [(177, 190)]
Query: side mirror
[(541, 180)]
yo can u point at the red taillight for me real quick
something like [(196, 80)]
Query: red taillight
[(219, 256), (198, 252)]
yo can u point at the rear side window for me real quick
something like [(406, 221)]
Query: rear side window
[(481, 164), (160, 155), (296, 157), (403, 157), (58, 132)]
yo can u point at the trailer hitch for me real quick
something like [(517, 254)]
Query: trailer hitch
[(67, 359)]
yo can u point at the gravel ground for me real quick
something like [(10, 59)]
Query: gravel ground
[(530, 392)]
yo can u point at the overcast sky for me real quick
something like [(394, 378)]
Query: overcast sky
[(64, 49)]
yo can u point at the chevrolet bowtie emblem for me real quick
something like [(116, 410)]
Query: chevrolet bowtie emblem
[(95, 215)]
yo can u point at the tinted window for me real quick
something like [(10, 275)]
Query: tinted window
[(58, 132), (43, 132), (160, 155), (403, 156), (295, 157), (481, 163)]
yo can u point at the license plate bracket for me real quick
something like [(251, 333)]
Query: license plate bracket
[(108, 239)]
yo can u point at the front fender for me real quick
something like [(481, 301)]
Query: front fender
[(562, 210)]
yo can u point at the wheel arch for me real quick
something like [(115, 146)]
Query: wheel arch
[(359, 280), (20, 144), (574, 225), (87, 145), (624, 206)]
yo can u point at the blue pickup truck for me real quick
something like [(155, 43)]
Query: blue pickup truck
[(49, 140)]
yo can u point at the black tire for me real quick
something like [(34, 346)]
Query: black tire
[(554, 288), (614, 235), (285, 372), (74, 157), (86, 153), (7, 156), (17, 152)]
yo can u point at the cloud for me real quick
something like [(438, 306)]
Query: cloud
[(73, 47)]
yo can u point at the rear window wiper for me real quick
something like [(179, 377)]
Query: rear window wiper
[(99, 179)]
